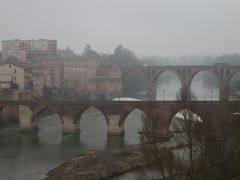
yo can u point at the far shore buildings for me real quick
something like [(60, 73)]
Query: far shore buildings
[(108, 82), (28, 50), (64, 79), (77, 73), (52, 69), (87, 77), (57, 78), (18, 84), (11, 75), (78, 78)]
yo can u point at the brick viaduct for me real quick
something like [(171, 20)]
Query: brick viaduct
[(115, 112), (222, 71)]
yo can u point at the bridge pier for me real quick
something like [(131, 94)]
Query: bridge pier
[(151, 93), (69, 126), (223, 91), (113, 125), (25, 115)]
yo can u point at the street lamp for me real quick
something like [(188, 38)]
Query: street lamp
[(211, 93)]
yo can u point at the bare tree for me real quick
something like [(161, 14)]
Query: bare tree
[(200, 151), (152, 147)]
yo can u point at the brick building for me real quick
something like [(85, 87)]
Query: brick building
[(108, 82), (77, 73), (86, 77), (52, 69)]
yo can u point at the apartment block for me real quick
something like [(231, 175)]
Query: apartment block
[(28, 50)]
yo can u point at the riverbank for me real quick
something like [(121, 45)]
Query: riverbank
[(95, 165)]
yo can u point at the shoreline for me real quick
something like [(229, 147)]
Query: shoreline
[(96, 165)]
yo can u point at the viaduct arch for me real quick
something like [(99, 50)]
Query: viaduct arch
[(222, 71)]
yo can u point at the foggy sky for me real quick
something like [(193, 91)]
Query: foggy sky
[(148, 27)]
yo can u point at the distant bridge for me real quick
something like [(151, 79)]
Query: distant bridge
[(222, 71), (116, 112)]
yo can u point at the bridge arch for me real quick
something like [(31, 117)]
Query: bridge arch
[(132, 124), (134, 81), (198, 82), (49, 124), (92, 124), (234, 86), (159, 73), (210, 71), (173, 121), (167, 84), (78, 116), (126, 114), (41, 109), (232, 75)]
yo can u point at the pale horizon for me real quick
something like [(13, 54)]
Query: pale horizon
[(149, 28)]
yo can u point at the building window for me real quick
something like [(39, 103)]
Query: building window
[(15, 71), (15, 78), (10, 65)]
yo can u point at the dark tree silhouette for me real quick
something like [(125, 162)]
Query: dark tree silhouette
[(195, 149)]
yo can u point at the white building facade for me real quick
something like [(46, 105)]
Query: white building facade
[(11, 76)]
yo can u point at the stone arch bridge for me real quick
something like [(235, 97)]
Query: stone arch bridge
[(115, 112), (222, 71)]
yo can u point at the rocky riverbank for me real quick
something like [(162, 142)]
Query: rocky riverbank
[(96, 165)]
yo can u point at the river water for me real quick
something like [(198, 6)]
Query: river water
[(31, 156)]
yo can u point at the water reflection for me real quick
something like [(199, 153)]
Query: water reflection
[(93, 127), (31, 156), (28, 139), (50, 129), (115, 142), (70, 140), (142, 173), (133, 124)]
